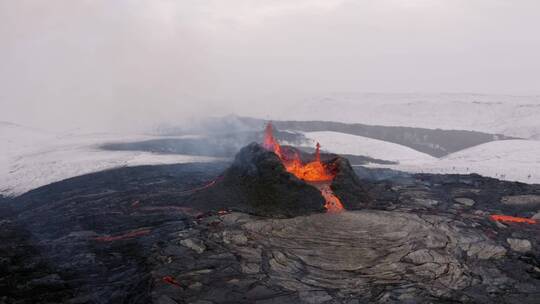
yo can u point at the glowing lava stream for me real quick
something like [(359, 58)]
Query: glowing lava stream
[(512, 219), (333, 204), (314, 173)]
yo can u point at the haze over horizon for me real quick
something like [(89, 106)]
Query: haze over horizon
[(127, 64)]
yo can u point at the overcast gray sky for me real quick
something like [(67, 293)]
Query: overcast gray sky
[(130, 62)]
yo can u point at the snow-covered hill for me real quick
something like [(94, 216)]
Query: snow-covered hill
[(513, 160), (32, 158), (15, 138), (342, 143), (517, 116)]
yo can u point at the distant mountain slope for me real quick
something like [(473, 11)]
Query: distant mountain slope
[(525, 151), (515, 116), (15, 137)]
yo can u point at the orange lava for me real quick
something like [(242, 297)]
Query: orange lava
[(513, 219), (333, 204), (314, 171), (206, 186), (270, 143)]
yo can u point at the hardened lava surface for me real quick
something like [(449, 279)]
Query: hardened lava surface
[(138, 235), (367, 256)]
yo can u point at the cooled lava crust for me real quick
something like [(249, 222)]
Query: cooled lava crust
[(132, 235)]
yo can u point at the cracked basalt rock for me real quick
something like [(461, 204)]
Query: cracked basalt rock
[(365, 256), (347, 186), (519, 245), (194, 244), (531, 201), (464, 201)]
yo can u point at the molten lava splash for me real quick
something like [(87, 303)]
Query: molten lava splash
[(333, 204), (270, 143), (513, 219), (314, 171)]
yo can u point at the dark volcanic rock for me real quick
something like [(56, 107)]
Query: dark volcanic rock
[(348, 187), (366, 256), (257, 182), (531, 202)]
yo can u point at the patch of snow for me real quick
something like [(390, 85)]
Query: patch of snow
[(342, 143), (512, 160), (31, 158)]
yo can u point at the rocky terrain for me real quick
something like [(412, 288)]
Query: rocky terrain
[(139, 235)]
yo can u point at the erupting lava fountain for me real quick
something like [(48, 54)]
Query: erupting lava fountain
[(315, 172)]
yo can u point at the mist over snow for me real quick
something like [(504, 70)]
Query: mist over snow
[(132, 65), (31, 158), (517, 116)]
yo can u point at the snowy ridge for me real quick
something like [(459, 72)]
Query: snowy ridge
[(516, 116), (512, 160)]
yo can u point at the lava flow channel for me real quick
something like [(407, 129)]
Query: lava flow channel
[(333, 204), (313, 172), (511, 219)]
